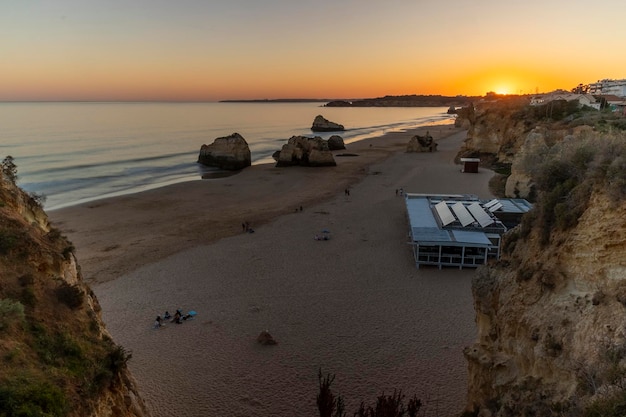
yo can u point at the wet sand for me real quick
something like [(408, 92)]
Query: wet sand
[(354, 305)]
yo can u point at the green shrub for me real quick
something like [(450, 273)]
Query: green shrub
[(54, 233), (67, 251), (11, 311), (37, 199), (8, 241), (28, 297), (9, 169), (70, 295), (24, 397), (118, 358), (613, 405)]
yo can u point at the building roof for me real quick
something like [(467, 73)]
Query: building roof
[(453, 220), (514, 205)]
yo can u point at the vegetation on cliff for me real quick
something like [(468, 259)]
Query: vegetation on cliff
[(56, 358), (499, 130), (565, 175), (551, 313)]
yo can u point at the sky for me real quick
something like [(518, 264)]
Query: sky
[(211, 50)]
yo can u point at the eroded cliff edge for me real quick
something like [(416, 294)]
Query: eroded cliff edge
[(551, 314), (56, 355)]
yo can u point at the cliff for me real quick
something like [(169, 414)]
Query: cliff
[(551, 314), (57, 357), (502, 132)]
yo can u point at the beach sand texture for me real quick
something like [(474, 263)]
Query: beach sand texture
[(354, 305)]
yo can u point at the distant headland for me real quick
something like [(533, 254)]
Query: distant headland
[(386, 101)]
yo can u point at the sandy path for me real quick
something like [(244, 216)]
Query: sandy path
[(354, 305)]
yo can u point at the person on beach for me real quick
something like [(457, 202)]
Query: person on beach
[(178, 317), (167, 315), (158, 322)]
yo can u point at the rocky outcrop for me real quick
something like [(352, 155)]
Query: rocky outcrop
[(335, 143), (230, 153), (320, 124), (64, 361), (304, 151), (551, 319), (419, 143), (493, 134)]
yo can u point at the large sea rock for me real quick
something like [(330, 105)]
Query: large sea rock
[(230, 153), (304, 151), (421, 144), (320, 124)]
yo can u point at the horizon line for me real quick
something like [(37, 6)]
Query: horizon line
[(257, 100)]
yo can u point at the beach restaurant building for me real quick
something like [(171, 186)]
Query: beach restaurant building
[(459, 230)]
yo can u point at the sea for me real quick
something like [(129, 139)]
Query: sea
[(71, 153)]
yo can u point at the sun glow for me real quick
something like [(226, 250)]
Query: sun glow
[(502, 90)]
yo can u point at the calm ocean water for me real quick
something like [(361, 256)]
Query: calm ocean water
[(78, 152)]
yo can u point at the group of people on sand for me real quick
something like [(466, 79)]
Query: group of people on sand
[(179, 317)]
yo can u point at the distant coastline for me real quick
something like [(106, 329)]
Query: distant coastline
[(281, 100), (386, 101)]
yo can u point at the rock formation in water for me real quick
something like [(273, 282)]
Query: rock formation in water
[(57, 356), (304, 151), (419, 143), (551, 313), (320, 124), (230, 153)]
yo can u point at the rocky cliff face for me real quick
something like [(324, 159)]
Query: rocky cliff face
[(552, 320), (56, 355), (502, 132), (494, 133)]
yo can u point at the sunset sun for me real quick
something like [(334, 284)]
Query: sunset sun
[(503, 90)]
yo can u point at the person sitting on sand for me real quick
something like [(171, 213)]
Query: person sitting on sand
[(178, 317), (158, 322), (167, 315)]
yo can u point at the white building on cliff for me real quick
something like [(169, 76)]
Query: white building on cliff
[(606, 87)]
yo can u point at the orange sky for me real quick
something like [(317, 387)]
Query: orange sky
[(245, 49)]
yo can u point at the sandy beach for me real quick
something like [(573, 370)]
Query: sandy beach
[(354, 305)]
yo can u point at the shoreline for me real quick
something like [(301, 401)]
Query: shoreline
[(355, 306), (117, 234)]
